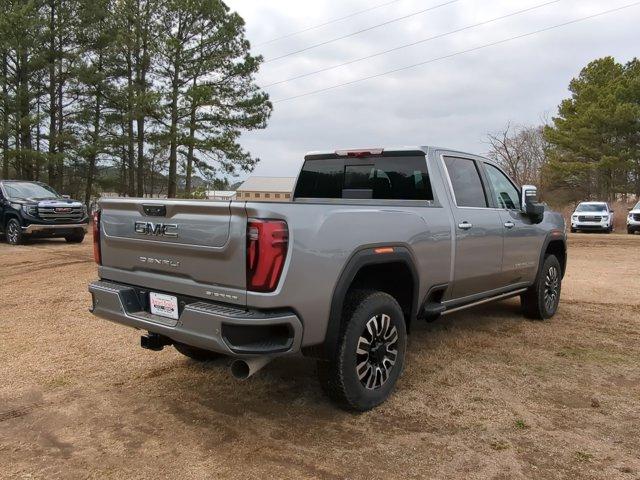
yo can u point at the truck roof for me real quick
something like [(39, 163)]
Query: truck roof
[(404, 148)]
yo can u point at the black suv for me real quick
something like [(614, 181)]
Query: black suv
[(35, 209)]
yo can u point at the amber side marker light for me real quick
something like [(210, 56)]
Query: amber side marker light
[(383, 250)]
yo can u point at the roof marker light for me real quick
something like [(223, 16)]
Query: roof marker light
[(360, 152)]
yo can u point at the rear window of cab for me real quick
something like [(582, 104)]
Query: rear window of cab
[(378, 178)]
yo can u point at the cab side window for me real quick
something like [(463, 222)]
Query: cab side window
[(504, 192), (466, 183)]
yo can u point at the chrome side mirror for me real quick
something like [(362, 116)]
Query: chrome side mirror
[(530, 205)]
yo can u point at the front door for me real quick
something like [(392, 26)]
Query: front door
[(521, 238), (478, 230), (2, 209)]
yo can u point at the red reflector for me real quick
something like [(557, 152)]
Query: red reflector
[(383, 250), (267, 243), (97, 254)]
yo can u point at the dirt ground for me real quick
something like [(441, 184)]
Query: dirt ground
[(485, 394)]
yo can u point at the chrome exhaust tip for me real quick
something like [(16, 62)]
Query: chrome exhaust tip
[(243, 369)]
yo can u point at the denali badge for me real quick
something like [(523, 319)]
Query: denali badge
[(157, 229), (160, 261)]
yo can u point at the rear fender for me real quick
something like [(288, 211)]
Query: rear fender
[(358, 260)]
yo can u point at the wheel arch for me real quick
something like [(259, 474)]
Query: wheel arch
[(355, 274), (8, 216), (555, 243)]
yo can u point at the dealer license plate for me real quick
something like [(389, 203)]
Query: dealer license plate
[(164, 305)]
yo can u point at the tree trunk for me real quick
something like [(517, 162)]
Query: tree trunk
[(192, 136), (51, 168), (5, 119), (173, 134), (91, 167), (130, 135), (142, 66), (60, 143), (26, 159)]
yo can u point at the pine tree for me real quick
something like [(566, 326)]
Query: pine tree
[(594, 138), (211, 98)]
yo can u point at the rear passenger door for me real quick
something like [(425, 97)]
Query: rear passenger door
[(478, 229), (521, 238)]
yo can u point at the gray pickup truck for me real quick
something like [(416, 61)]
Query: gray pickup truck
[(372, 241)]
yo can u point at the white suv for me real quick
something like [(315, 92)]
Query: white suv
[(592, 216), (633, 219)]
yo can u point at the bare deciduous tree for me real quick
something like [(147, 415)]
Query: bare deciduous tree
[(520, 151)]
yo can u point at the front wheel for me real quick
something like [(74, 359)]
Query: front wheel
[(76, 237), (541, 300), (370, 352), (14, 233)]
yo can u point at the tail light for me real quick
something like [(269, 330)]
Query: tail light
[(97, 254), (267, 243)]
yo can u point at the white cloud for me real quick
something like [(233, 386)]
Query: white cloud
[(453, 102)]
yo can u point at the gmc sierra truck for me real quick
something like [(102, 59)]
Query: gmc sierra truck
[(34, 209), (372, 241)]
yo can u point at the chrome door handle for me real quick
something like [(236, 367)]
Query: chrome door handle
[(465, 225), (509, 224)]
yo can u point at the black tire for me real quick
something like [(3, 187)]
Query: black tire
[(630, 231), (541, 300), (573, 230), (13, 232), (376, 318), (195, 353), (76, 237)]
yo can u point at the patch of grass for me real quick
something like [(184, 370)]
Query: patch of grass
[(520, 424), (594, 355), (59, 382), (584, 456), (499, 445)]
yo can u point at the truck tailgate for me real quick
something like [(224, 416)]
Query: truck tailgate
[(190, 247)]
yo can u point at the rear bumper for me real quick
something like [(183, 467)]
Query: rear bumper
[(216, 327), (43, 227)]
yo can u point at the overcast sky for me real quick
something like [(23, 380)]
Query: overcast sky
[(452, 102)]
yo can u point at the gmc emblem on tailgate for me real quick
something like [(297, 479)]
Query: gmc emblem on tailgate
[(157, 229)]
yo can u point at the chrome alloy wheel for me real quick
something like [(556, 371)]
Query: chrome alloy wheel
[(551, 288), (13, 232), (377, 351)]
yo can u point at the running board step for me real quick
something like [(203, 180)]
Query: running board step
[(502, 296), (433, 308)]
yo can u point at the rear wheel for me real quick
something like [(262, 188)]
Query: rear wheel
[(541, 300), (76, 237), (195, 353), (370, 352), (14, 232)]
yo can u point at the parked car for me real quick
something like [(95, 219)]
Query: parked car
[(372, 241), (34, 209), (633, 219), (592, 216)]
